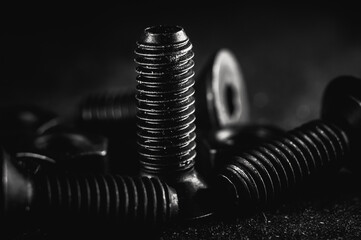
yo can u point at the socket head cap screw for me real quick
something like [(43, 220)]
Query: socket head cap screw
[(341, 104), (224, 96), (16, 190)]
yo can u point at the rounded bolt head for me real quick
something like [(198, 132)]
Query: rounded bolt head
[(15, 191), (341, 104), (221, 92)]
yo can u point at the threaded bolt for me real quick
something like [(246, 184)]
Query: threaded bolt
[(166, 109), (105, 108), (121, 199), (254, 179), (165, 117)]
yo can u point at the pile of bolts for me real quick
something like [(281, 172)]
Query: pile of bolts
[(176, 148)]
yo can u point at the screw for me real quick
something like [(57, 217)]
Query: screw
[(165, 117), (254, 179), (143, 201), (107, 111)]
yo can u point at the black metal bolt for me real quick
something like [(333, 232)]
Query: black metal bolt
[(255, 178), (106, 111), (165, 117), (128, 201)]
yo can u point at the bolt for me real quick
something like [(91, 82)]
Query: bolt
[(105, 111), (165, 117), (127, 201), (257, 177)]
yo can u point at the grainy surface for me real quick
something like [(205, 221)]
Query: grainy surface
[(53, 55)]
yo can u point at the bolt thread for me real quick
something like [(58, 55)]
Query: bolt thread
[(260, 175), (165, 101), (118, 198), (104, 108)]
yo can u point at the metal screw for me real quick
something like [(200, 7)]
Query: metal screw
[(165, 118), (141, 201), (255, 178), (106, 111)]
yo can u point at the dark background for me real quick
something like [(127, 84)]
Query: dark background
[(54, 54)]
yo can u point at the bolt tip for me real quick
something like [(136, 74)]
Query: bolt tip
[(163, 34)]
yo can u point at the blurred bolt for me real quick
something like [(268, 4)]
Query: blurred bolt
[(253, 179)]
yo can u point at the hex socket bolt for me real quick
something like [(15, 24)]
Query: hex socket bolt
[(165, 117), (115, 199), (254, 179), (220, 93)]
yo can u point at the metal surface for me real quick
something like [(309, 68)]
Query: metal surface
[(255, 178), (166, 115)]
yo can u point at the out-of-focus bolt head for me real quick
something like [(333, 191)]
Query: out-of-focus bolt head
[(341, 104), (15, 191), (221, 92)]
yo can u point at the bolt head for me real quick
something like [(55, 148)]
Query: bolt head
[(16, 190), (221, 94), (163, 34), (341, 105)]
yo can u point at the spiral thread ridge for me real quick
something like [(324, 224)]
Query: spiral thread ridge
[(123, 199), (260, 175), (106, 107), (165, 101)]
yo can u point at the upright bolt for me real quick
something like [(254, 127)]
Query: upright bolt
[(255, 178), (165, 118), (127, 201)]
